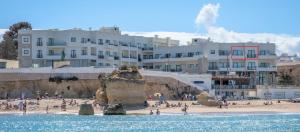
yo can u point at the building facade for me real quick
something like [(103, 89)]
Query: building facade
[(250, 63)]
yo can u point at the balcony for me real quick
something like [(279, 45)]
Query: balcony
[(39, 56), (56, 43), (233, 87), (39, 43), (251, 55), (251, 68), (101, 56), (213, 68), (73, 56), (116, 58), (149, 49)]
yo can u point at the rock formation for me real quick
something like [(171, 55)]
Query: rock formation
[(205, 99), (125, 86), (114, 109), (86, 109)]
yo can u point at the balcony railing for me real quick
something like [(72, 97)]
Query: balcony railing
[(101, 56), (39, 56), (251, 55), (251, 68), (39, 43), (73, 55), (56, 44), (233, 87)]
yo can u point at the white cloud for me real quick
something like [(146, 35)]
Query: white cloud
[(208, 15)]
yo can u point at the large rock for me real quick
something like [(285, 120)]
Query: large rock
[(101, 97), (114, 109), (86, 109), (125, 86), (127, 92), (205, 99)]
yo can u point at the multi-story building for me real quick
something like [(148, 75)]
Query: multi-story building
[(249, 64), (106, 47)]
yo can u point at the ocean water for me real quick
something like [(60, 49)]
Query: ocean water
[(182, 123)]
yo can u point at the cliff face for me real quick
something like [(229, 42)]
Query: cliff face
[(84, 88), (125, 86)]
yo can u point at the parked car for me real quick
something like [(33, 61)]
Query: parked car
[(253, 98)]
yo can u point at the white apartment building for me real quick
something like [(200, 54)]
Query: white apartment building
[(106, 47), (249, 64)]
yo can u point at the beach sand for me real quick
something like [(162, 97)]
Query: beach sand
[(256, 106)]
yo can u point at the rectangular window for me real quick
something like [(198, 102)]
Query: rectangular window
[(263, 52), (251, 54), (157, 56), (100, 41), (39, 42), (26, 52), (84, 51), (83, 40), (50, 41), (107, 41), (251, 66), (212, 51), (39, 54), (73, 39), (237, 52), (73, 53), (178, 55), (190, 54), (25, 39)]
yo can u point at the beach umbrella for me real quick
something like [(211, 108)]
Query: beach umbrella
[(157, 94)]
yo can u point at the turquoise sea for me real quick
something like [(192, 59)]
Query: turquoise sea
[(198, 122)]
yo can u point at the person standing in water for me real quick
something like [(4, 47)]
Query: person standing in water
[(157, 112), (151, 112)]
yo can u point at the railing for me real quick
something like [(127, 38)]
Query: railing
[(56, 44), (39, 43), (233, 87), (73, 55), (39, 56), (101, 56), (251, 68), (251, 55)]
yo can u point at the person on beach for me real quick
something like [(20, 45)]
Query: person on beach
[(47, 109), (24, 107), (151, 112), (157, 112)]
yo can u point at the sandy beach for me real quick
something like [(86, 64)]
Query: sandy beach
[(255, 106)]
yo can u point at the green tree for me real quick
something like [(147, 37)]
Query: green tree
[(9, 45)]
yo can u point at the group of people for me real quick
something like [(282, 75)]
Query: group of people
[(157, 112), (188, 97)]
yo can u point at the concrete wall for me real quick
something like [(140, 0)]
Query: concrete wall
[(279, 92)]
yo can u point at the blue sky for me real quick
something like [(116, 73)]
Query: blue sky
[(251, 16), (254, 20)]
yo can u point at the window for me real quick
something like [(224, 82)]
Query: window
[(107, 53), (251, 54), (84, 51), (178, 55), (83, 40), (39, 42), (168, 55), (73, 39), (197, 53), (191, 66), (25, 39), (156, 56), (263, 64), (39, 54), (100, 41), (237, 64), (93, 51), (212, 52), (26, 52), (50, 41), (263, 52), (223, 52), (73, 53), (251, 65), (190, 54), (237, 52), (107, 41)]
